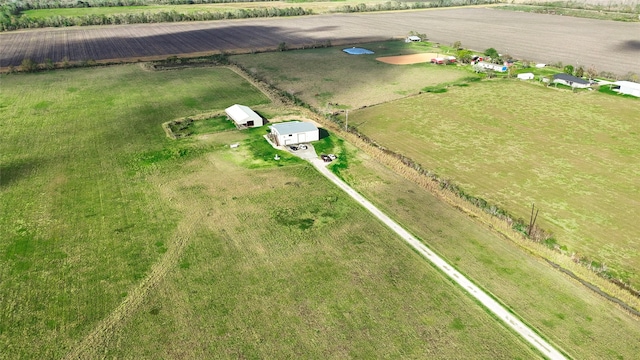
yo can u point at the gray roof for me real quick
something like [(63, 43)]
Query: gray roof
[(293, 127), (567, 77)]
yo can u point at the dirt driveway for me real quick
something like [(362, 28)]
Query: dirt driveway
[(487, 301)]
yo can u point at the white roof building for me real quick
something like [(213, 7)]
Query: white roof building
[(294, 132), (243, 116), (628, 87), (526, 76), (494, 67)]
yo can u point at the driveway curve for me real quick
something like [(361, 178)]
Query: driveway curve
[(487, 301)]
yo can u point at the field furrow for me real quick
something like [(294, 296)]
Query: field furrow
[(540, 38)]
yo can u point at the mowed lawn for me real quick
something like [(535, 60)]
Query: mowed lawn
[(212, 252), (80, 223), (575, 156), (330, 79)]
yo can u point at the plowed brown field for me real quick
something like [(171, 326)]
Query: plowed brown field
[(607, 45)]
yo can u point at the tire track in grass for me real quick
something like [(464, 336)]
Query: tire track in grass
[(95, 341)]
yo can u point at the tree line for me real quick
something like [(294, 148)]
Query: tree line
[(11, 17), (62, 4), (11, 21), (398, 5)]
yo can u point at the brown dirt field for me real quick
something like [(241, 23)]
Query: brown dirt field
[(535, 37), (408, 59)]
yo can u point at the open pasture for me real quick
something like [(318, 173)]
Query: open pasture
[(330, 79), (283, 265), (121, 242), (574, 155), (572, 316), (81, 226), (539, 38)]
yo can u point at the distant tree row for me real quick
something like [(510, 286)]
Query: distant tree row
[(61, 4), (9, 22), (398, 5)]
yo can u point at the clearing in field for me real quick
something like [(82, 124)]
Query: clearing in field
[(137, 246), (409, 59), (577, 164)]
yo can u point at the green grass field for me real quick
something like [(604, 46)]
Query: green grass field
[(572, 316), (312, 276), (117, 241), (329, 75), (574, 155), (80, 224)]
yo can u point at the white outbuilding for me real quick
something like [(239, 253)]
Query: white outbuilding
[(491, 66), (293, 132), (243, 116), (412, 38), (526, 76), (627, 87)]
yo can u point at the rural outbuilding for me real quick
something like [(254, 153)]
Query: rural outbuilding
[(412, 38), (570, 80), (526, 76), (294, 132), (490, 66), (243, 116), (627, 87)]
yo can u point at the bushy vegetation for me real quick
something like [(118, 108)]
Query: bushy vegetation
[(11, 18), (400, 5), (15, 14), (622, 11)]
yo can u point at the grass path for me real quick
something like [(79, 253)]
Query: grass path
[(97, 339)]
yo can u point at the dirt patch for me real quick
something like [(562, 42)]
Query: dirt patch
[(409, 59)]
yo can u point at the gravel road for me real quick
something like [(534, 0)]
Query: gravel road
[(487, 301), (607, 45)]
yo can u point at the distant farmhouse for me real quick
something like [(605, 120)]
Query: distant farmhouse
[(294, 132), (627, 87), (490, 66), (243, 116), (570, 80)]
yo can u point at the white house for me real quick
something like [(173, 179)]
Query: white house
[(526, 76), (494, 67), (293, 132), (627, 87), (243, 116), (570, 80)]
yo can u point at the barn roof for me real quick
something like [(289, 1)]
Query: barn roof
[(240, 113), (293, 127), (567, 77)]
